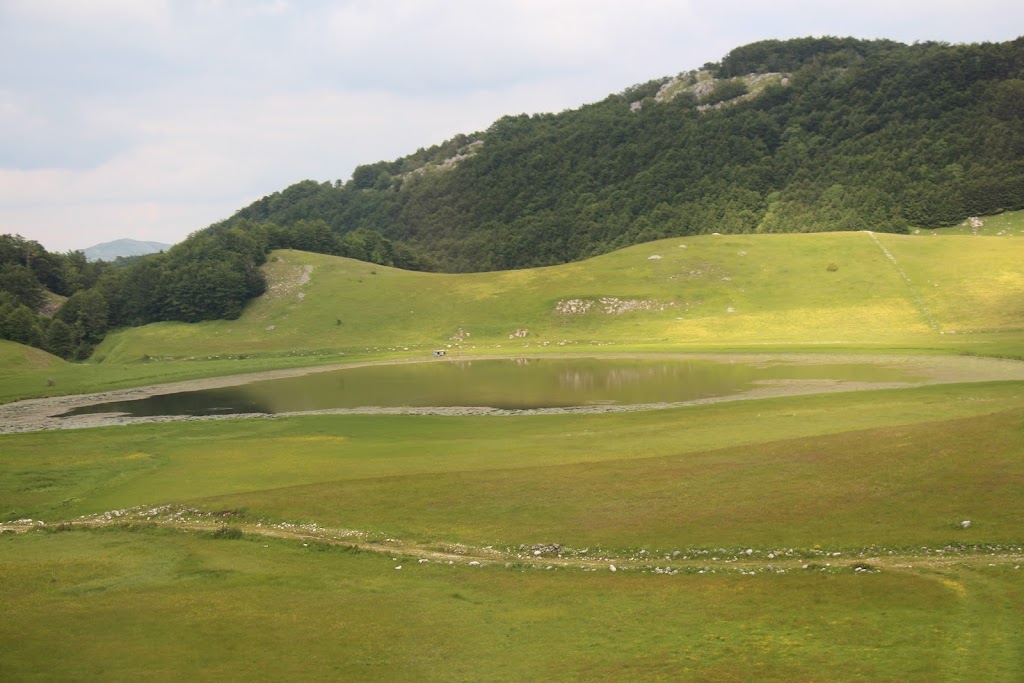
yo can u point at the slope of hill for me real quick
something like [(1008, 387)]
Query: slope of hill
[(715, 290), (794, 136), (16, 358), (108, 251)]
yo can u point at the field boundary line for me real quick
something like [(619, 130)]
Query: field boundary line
[(918, 301), (691, 561)]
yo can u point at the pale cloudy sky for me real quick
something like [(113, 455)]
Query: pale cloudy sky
[(151, 119)]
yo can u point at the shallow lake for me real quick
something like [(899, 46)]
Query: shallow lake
[(506, 384)]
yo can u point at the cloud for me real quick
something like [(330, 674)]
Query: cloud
[(63, 227), (195, 165), (152, 119), (469, 45), (907, 21)]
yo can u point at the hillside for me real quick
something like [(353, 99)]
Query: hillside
[(813, 134), (806, 135), (823, 289)]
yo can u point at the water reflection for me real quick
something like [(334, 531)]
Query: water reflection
[(510, 384)]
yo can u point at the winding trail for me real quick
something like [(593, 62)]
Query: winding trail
[(746, 561)]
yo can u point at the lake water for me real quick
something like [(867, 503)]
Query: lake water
[(506, 384)]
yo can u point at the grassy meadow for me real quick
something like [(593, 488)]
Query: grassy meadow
[(123, 604), (709, 291), (948, 293), (795, 538)]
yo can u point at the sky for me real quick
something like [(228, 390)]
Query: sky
[(151, 119)]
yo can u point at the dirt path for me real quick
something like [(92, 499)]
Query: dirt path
[(747, 561), (915, 296), (41, 414)]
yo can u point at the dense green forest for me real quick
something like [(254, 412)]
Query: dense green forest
[(859, 134), (812, 134), (35, 284)]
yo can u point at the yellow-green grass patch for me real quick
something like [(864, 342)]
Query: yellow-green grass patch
[(735, 289), (842, 468), (970, 285), (115, 605), (896, 487)]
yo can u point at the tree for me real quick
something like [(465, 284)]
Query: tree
[(205, 290), (88, 312), (726, 90), (19, 281), (313, 235), (21, 324), (60, 339)]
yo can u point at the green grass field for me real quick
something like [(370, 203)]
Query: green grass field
[(658, 477), (734, 290), (118, 605), (850, 504), (895, 470)]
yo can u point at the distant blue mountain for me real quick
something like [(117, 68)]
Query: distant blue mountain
[(108, 251)]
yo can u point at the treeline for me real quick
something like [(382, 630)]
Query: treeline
[(33, 282), (863, 135), (65, 305)]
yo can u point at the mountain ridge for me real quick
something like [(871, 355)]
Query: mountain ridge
[(121, 248)]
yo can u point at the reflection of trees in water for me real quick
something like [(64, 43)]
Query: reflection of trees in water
[(224, 401), (510, 383), (576, 380), (617, 378)]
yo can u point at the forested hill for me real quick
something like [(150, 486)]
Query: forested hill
[(810, 134)]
